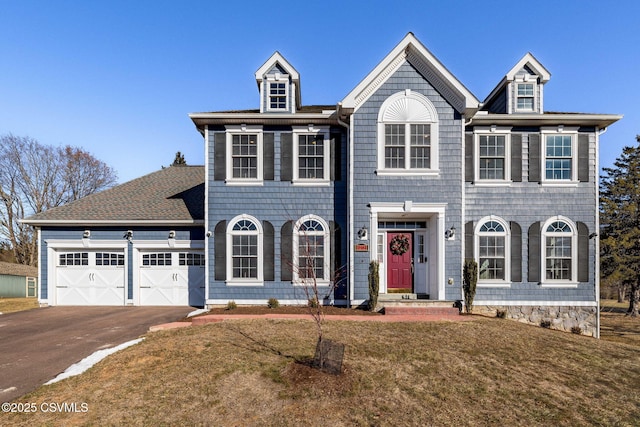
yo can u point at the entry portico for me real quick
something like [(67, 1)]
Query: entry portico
[(420, 227)]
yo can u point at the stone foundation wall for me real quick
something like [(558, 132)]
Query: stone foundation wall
[(562, 318)]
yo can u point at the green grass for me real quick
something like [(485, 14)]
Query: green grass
[(248, 372)]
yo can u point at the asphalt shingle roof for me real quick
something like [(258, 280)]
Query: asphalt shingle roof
[(175, 193), (12, 269)]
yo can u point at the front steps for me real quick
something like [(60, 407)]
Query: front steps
[(415, 305)]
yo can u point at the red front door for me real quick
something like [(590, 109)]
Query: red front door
[(399, 255)]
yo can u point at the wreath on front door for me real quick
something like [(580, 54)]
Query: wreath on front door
[(399, 244)]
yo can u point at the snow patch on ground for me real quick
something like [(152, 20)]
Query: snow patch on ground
[(89, 361), (197, 312)]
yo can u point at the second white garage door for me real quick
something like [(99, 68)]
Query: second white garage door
[(172, 278)]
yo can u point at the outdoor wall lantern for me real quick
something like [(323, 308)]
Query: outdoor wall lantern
[(450, 234), (363, 233)]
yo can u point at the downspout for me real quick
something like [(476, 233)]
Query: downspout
[(349, 128), (596, 273), (207, 233)]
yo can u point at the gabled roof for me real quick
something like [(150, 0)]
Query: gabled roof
[(11, 269), (278, 59), (410, 49), (528, 61), (171, 196)]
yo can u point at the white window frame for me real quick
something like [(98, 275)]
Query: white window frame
[(244, 130), (408, 108), (311, 130), (526, 79), (277, 78), (325, 281), (245, 281), (493, 131), (559, 283), (494, 283), (559, 131)]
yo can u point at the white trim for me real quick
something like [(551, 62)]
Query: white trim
[(560, 130), (311, 130), (232, 131), (206, 213), (259, 280), (435, 233), (409, 45), (596, 138), (494, 283), (277, 79), (408, 108), (326, 280), (492, 131), (573, 282)]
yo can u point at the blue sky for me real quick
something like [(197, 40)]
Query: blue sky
[(119, 78)]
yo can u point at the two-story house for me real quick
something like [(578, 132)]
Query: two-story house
[(409, 169)]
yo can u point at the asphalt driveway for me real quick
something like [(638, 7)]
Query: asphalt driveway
[(37, 345)]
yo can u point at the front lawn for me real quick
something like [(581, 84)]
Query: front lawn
[(252, 372)]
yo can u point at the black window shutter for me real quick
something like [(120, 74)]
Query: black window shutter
[(336, 156), (286, 246), (219, 156), (468, 157), (516, 157), (516, 252), (286, 157), (583, 252), (583, 157), (220, 248), (534, 157), (534, 252), (468, 240), (268, 251), (267, 155), (336, 254)]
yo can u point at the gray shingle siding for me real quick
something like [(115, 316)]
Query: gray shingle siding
[(527, 203), (276, 202), (444, 188)]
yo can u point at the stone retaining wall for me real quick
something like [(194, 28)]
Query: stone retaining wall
[(562, 318)]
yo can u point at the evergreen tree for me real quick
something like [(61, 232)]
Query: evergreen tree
[(179, 160), (620, 219)]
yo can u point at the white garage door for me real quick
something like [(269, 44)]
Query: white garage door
[(172, 278), (90, 277)]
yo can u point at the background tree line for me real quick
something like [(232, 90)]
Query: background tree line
[(620, 227), (36, 177)]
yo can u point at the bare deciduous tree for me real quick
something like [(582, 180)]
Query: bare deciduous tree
[(36, 177)]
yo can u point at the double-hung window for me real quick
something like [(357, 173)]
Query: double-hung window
[(244, 155), (525, 96), (492, 157), (244, 249), (311, 245), (559, 251), (407, 135), (492, 254), (311, 154), (277, 96), (560, 159)]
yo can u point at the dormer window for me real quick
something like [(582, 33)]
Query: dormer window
[(277, 96), (278, 92), (525, 97)]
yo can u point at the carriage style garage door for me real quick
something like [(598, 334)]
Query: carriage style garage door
[(90, 277), (171, 277)]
